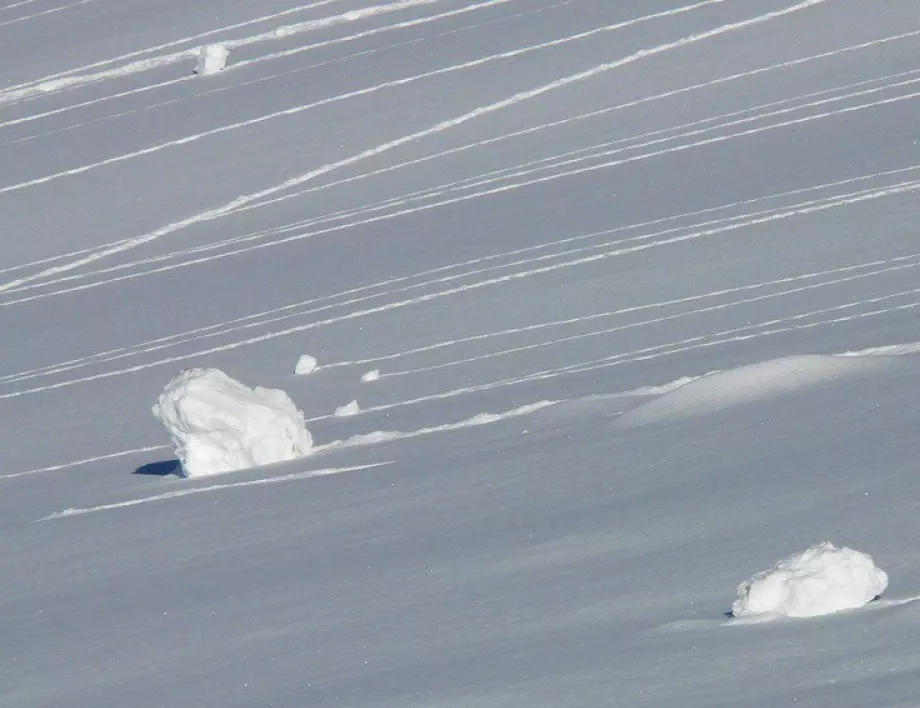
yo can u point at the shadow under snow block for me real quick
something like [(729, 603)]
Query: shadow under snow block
[(218, 424)]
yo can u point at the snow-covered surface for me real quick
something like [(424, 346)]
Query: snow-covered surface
[(218, 424), (606, 255), (306, 364), (820, 580)]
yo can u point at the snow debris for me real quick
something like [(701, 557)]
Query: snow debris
[(218, 424), (305, 365), (211, 59), (818, 581), (348, 409), (370, 376)]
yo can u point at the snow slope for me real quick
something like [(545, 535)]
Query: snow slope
[(605, 258)]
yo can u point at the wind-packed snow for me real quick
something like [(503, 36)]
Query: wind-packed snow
[(219, 425), (820, 580), (640, 282)]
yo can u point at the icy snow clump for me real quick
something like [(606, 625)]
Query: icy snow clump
[(818, 581), (219, 425), (348, 409), (211, 59), (305, 365), (372, 375)]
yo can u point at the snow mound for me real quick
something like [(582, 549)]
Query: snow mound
[(746, 384), (305, 365), (372, 375), (818, 581), (211, 59), (348, 409), (219, 425)]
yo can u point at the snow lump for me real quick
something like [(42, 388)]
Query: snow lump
[(818, 581), (218, 424), (306, 364), (211, 59)]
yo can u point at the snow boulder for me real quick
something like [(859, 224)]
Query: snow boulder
[(219, 425), (818, 581), (211, 59)]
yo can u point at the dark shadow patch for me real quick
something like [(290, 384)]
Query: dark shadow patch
[(160, 469)]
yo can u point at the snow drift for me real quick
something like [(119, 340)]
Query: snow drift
[(818, 581), (218, 424)]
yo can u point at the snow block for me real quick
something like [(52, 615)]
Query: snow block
[(818, 581), (218, 424), (306, 364), (211, 59)]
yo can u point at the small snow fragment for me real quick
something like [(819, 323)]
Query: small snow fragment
[(219, 425), (211, 59), (370, 376), (818, 581), (305, 365), (348, 409)]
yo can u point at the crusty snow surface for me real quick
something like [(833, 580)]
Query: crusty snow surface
[(639, 285)]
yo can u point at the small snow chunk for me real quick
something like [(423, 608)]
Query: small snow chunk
[(211, 59), (818, 581), (369, 376), (305, 365), (217, 424), (348, 409)]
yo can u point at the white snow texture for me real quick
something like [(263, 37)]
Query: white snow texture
[(372, 375), (818, 581), (211, 59), (306, 364), (348, 409), (218, 424)]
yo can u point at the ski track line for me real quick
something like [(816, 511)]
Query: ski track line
[(273, 316), (17, 4), (555, 161), (262, 79), (260, 317), (544, 126), (44, 12), (355, 314), (655, 352), (334, 99), (24, 284), (72, 78), (80, 463), (591, 114), (189, 491), (437, 128), (640, 323)]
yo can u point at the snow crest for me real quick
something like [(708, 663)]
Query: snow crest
[(218, 424), (818, 581)]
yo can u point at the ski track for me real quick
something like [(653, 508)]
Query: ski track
[(468, 269), (385, 147), (530, 177)]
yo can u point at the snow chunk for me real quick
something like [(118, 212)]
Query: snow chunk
[(211, 59), (348, 409), (305, 365), (219, 425), (818, 581), (370, 376)]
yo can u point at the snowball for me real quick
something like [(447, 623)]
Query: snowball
[(348, 409), (305, 365), (370, 376), (817, 581), (219, 425), (211, 59)]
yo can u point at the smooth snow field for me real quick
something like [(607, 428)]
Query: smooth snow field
[(610, 311)]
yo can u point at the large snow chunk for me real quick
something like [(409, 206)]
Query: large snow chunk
[(306, 364), (219, 425), (211, 59), (818, 581)]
